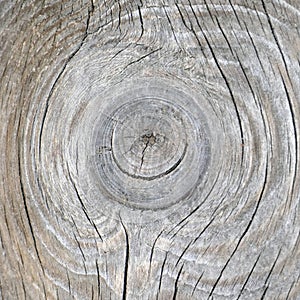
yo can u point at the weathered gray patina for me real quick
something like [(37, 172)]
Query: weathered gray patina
[(149, 150)]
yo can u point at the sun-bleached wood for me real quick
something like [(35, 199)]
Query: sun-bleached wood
[(149, 149)]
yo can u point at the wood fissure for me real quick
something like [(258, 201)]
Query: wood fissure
[(149, 149)]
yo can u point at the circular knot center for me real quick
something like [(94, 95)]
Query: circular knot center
[(149, 140)]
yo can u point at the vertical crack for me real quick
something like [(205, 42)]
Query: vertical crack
[(98, 279), (275, 37), (248, 277), (90, 12), (124, 296), (141, 21), (244, 232), (176, 283), (143, 153), (161, 274)]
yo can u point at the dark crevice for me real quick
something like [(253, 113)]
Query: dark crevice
[(254, 98), (255, 48), (126, 265), (290, 289), (195, 34), (129, 14), (275, 38), (98, 279), (92, 293), (24, 199), (264, 293), (69, 282), (245, 231), (83, 206), (79, 246), (221, 201), (262, 25), (141, 58), (176, 283), (161, 274), (247, 79), (225, 37), (272, 268), (143, 153), (150, 178), (180, 225), (248, 277), (120, 51), (297, 243), (92, 6), (294, 118), (203, 230), (182, 18), (182, 254), (90, 11), (272, 66), (119, 16), (237, 18), (1, 243), (6, 222), (209, 11), (226, 82), (171, 26), (44, 197), (44, 290), (141, 21), (196, 284), (152, 251)]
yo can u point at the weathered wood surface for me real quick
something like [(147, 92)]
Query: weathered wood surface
[(150, 150)]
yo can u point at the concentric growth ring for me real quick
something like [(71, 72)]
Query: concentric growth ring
[(150, 150), (149, 140)]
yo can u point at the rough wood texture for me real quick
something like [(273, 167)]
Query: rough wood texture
[(150, 150)]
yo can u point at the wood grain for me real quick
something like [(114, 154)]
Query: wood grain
[(150, 149)]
